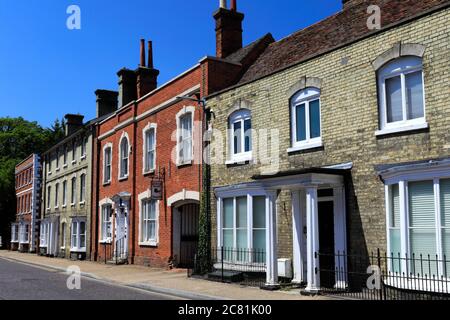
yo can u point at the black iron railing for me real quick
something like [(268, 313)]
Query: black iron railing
[(379, 276), (232, 265)]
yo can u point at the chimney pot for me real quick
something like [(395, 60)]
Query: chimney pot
[(223, 4), (233, 5), (150, 55), (142, 62)]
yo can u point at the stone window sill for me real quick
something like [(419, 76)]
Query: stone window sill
[(403, 128)]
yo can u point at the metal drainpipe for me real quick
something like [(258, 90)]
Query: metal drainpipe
[(133, 193)]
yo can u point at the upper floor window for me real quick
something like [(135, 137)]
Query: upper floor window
[(83, 147), (65, 155), (401, 93), (74, 191), (64, 194), (185, 136), (107, 158), (57, 159), (82, 188), (49, 159), (149, 149), (124, 156), (240, 124), (74, 151), (56, 195), (306, 119), (49, 196)]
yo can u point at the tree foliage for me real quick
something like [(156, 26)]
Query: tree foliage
[(19, 138)]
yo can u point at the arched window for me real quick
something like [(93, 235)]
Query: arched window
[(401, 93), (107, 161), (240, 131), (306, 126), (124, 154)]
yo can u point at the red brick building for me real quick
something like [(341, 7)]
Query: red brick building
[(147, 169), (24, 230)]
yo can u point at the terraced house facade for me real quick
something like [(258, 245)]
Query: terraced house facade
[(66, 193), (149, 152), (358, 152), (24, 231)]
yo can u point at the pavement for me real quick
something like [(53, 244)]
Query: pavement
[(171, 283)]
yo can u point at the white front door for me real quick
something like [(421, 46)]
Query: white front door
[(121, 244)]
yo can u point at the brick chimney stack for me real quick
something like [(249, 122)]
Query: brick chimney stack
[(228, 29), (147, 76), (127, 86), (106, 102), (74, 122)]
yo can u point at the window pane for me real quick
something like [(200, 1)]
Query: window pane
[(152, 230), (423, 242), (248, 135), (259, 240), (414, 95), (394, 99), (228, 239), (228, 213), (300, 118), (241, 212), (237, 137), (395, 207), (241, 239), (421, 204), (445, 202), (314, 121), (446, 248), (259, 212), (152, 210), (395, 248)]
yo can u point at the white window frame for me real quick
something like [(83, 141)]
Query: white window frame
[(15, 233), (305, 96), (49, 197), (399, 67), (239, 116), (144, 197), (250, 194), (105, 166), (403, 180), (145, 152), (74, 151), (183, 113), (75, 231), (104, 223), (122, 139), (65, 156), (43, 243)]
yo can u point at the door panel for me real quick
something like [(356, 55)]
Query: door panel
[(189, 233)]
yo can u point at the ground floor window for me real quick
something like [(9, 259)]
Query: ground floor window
[(243, 229), (78, 236), (106, 223), (149, 222), (44, 235), (419, 223), (23, 233), (63, 235), (15, 233)]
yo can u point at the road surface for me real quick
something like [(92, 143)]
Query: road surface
[(25, 282)]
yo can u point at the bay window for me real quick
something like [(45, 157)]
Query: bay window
[(240, 124), (401, 95), (23, 233), (44, 234), (419, 224), (243, 228), (306, 119)]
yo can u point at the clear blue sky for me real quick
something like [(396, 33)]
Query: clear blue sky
[(47, 70)]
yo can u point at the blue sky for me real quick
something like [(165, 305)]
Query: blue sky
[(47, 70)]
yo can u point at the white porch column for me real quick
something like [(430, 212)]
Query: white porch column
[(271, 242), (312, 221), (297, 231)]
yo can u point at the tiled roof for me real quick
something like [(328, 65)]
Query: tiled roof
[(344, 27)]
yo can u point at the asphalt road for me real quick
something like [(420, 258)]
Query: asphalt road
[(24, 282)]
